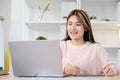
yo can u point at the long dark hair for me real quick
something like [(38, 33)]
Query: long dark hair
[(85, 21)]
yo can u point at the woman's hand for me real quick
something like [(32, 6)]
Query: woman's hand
[(71, 70), (108, 71)]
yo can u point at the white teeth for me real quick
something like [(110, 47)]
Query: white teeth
[(73, 32)]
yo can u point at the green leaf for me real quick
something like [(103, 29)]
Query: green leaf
[(41, 38)]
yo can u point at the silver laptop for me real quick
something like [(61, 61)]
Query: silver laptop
[(36, 58)]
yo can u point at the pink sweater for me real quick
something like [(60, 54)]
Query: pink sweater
[(91, 58)]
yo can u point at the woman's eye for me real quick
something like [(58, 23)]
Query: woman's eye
[(78, 24), (69, 24)]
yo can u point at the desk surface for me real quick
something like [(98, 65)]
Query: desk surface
[(11, 77)]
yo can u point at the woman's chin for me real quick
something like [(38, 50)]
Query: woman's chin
[(73, 38)]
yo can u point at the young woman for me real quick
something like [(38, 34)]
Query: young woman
[(81, 54)]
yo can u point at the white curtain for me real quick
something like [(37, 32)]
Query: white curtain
[(1, 45)]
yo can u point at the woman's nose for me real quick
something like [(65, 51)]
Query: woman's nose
[(73, 27)]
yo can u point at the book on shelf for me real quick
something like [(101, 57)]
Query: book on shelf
[(3, 72)]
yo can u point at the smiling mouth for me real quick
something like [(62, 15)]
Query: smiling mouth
[(73, 33)]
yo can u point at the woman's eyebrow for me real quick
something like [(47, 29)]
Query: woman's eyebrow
[(78, 22), (70, 21)]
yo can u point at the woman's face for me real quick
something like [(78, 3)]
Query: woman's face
[(75, 29)]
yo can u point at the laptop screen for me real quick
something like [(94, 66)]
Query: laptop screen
[(36, 58)]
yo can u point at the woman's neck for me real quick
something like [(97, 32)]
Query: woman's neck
[(77, 42)]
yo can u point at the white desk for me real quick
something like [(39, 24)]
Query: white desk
[(11, 77)]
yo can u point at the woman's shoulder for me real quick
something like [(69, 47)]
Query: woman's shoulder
[(63, 45), (61, 42), (95, 45), (64, 42)]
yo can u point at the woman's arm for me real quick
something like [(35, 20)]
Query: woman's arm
[(109, 66)]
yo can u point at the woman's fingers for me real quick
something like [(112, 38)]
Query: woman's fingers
[(105, 71), (108, 71), (72, 69), (75, 70)]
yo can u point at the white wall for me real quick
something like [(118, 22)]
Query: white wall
[(17, 19), (5, 6)]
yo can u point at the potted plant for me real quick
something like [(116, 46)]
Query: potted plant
[(92, 18), (105, 19), (41, 38)]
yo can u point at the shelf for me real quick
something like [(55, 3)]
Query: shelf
[(53, 23), (105, 25), (95, 25), (66, 7), (111, 45), (95, 22), (100, 1), (68, 0), (33, 12), (34, 3), (102, 9), (45, 22)]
